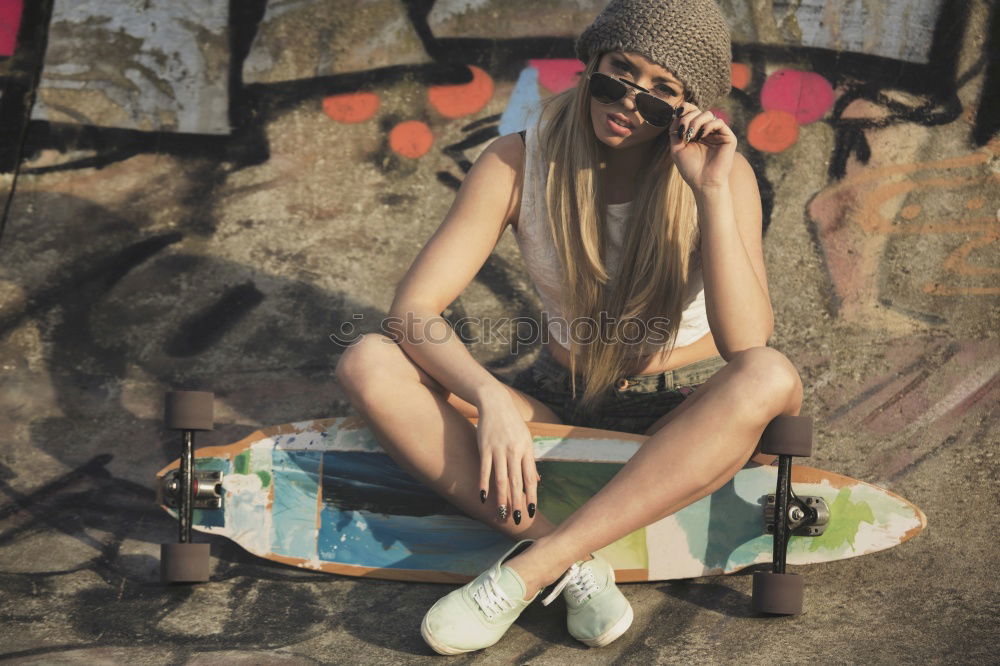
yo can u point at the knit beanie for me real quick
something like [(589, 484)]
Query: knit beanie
[(690, 38)]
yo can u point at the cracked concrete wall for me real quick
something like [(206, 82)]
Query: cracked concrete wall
[(147, 65), (204, 203)]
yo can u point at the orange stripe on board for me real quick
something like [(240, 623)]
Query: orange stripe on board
[(416, 575)]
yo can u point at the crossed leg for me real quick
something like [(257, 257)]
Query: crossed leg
[(425, 429), (691, 452), (695, 450), (757, 457)]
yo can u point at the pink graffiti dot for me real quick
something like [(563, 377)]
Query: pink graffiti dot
[(910, 211), (773, 131), (10, 21), (805, 95), (720, 114), (557, 74)]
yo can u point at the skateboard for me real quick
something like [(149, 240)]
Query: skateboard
[(322, 495)]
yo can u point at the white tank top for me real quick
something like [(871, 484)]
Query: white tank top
[(542, 262)]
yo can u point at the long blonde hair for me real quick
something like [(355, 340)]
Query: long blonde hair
[(661, 230)]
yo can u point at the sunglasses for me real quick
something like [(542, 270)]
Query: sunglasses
[(608, 90)]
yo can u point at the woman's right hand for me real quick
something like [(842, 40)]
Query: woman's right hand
[(507, 453)]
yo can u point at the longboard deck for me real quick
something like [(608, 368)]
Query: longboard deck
[(322, 495)]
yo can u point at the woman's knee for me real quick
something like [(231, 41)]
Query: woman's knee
[(371, 354)]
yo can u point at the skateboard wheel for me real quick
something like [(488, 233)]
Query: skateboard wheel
[(188, 410), (184, 562), (777, 594), (788, 435)]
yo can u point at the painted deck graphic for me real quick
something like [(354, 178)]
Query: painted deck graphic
[(322, 495)]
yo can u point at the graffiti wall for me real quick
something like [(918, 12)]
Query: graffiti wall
[(216, 195)]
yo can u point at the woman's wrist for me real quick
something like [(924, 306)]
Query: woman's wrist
[(715, 207), (491, 393), (712, 191)]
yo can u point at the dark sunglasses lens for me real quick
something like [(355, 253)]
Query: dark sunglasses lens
[(654, 111), (605, 89)]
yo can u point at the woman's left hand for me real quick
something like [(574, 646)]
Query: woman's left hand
[(706, 159)]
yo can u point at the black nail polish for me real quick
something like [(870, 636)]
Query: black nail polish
[(482, 496), (698, 134), (517, 517), (531, 510), (680, 132), (679, 111)]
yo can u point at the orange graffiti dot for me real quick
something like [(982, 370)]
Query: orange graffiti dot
[(975, 203), (351, 107), (462, 99), (411, 138), (909, 212), (773, 131), (741, 75)]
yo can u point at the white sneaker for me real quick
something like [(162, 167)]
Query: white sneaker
[(596, 611), (478, 614)]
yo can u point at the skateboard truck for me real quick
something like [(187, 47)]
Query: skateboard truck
[(187, 562), (777, 592), (807, 516), (207, 489)]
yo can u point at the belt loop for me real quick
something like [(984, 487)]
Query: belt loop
[(661, 381), (669, 381)]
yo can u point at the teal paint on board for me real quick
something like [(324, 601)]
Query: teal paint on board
[(401, 524), (295, 475), (734, 519), (213, 517)]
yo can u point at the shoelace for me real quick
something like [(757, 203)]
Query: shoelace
[(561, 583), (580, 581), (491, 599), (582, 585)]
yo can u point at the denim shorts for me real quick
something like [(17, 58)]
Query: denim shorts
[(632, 404)]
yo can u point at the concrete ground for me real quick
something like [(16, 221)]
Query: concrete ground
[(163, 234)]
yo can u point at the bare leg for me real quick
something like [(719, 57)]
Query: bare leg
[(695, 453), (757, 457), (426, 434)]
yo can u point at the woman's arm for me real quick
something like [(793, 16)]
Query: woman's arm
[(486, 202), (729, 216), (736, 295)]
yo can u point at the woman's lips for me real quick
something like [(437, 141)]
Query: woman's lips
[(616, 128)]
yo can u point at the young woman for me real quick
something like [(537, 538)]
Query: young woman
[(630, 204)]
